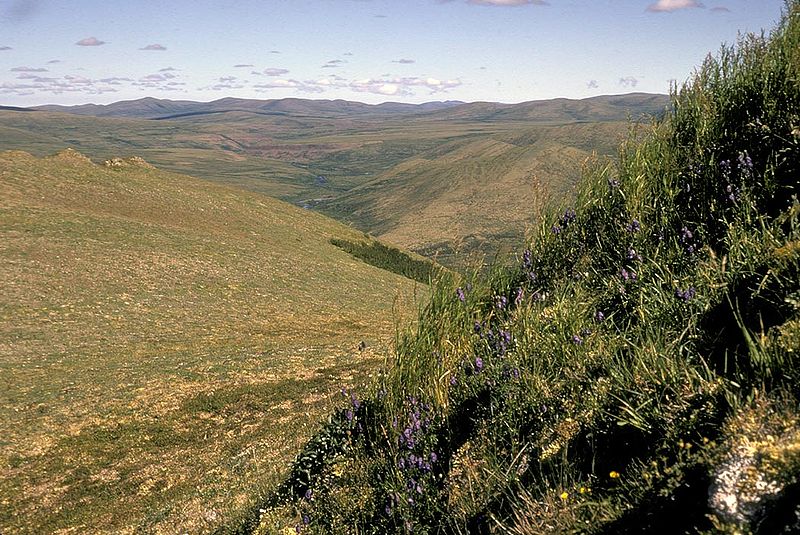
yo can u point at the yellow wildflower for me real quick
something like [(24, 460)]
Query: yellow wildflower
[(613, 474), (564, 495)]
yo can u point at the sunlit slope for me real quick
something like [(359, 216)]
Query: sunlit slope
[(157, 332), (477, 194), (210, 153)]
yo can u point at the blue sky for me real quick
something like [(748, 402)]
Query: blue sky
[(101, 51)]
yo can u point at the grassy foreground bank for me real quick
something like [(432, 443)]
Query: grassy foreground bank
[(636, 371)]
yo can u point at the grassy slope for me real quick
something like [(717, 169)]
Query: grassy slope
[(635, 372), (458, 197), (159, 336)]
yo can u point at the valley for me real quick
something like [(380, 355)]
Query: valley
[(432, 178)]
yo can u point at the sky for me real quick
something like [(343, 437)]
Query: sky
[(101, 51)]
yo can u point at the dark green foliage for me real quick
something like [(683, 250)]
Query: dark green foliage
[(391, 259)]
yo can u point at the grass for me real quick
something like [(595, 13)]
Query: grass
[(634, 371), (159, 334)]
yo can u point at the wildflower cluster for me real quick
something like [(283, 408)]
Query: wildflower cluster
[(685, 295), (499, 342), (688, 240), (417, 461), (564, 221), (634, 226)]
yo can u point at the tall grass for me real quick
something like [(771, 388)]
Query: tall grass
[(596, 385)]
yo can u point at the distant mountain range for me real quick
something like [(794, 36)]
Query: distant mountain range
[(153, 108), (607, 107)]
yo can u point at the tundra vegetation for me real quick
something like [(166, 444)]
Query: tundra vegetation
[(168, 344), (634, 371)]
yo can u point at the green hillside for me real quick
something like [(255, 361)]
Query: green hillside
[(634, 371), (477, 195), (160, 335)]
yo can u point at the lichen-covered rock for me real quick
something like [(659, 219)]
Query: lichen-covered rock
[(115, 162), (763, 460), (135, 161), (70, 155)]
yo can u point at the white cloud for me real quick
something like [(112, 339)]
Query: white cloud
[(28, 69), (404, 61), (90, 41), (240, 65), (673, 5), (402, 86), (507, 2), (276, 72), (628, 81), (334, 63), (6, 48), (592, 84), (34, 84), (155, 46), (164, 80), (305, 87)]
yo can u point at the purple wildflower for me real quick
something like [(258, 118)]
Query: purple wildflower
[(556, 229), (527, 259), (745, 163), (577, 340), (613, 183), (686, 295), (434, 457), (306, 520), (453, 380), (478, 364), (349, 415), (634, 226), (599, 316), (730, 196), (687, 240), (633, 255), (308, 494), (519, 297), (460, 294), (501, 302), (568, 217)]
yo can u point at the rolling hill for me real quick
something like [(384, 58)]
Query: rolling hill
[(152, 108), (159, 334), (478, 195)]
